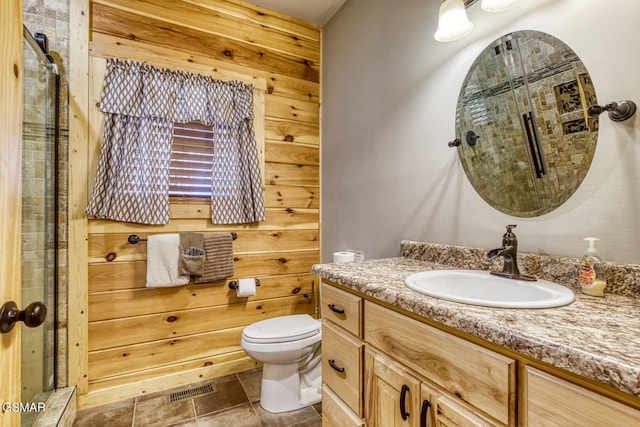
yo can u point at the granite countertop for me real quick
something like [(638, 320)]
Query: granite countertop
[(597, 338)]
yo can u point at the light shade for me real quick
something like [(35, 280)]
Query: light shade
[(498, 5), (453, 23)]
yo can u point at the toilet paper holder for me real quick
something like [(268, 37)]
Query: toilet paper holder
[(233, 284)]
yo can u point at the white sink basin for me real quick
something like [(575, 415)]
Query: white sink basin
[(482, 288)]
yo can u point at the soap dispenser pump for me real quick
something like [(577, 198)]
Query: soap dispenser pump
[(592, 276)]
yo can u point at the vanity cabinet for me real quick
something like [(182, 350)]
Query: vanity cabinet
[(549, 400), (342, 357), (394, 364), (397, 397), (464, 383)]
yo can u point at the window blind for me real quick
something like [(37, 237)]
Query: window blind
[(190, 168)]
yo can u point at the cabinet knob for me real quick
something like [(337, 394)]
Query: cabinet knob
[(32, 316)]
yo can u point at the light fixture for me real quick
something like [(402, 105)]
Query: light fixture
[(453, 23), (498, 5)]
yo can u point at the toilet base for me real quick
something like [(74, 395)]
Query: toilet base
[(282, 391)]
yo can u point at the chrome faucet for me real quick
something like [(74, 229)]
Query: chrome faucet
[(509, 251)]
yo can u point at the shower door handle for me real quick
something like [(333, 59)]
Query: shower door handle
[(32, 316)]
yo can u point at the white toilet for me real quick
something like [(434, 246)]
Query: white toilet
[(289, 348)]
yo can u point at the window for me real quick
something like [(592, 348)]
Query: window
[(191, 161)]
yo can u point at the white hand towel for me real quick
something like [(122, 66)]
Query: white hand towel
[(163, 256)]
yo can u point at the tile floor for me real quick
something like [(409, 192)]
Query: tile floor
[(235, 402)]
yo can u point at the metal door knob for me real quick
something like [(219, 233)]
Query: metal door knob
[(32, 316)]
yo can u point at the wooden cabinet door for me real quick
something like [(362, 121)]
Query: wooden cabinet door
[(451, 413), (392, 393), (553, 401), (478, 376), (440, 410)]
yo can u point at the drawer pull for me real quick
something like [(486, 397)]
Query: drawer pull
[(332, 363), (403, 396), (335, 310), (424, 413)]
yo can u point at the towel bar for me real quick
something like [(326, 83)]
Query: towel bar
[(134, 238)]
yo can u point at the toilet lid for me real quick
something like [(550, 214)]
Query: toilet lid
[(282, 329)]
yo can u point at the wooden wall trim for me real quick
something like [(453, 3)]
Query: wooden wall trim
[(78, 190), (11, 112), (126, 387)]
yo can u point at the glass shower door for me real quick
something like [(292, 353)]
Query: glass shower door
[(39, 221)]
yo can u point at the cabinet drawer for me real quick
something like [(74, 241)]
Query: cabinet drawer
[(550, 400), (336, 413), (476, 375), (342, 365), (342, 308)]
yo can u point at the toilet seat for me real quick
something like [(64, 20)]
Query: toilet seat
[(282, 329)]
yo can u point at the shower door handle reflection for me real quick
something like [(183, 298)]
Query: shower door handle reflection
[(32, 316)]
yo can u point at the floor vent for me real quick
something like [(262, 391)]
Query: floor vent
[(190, 393)]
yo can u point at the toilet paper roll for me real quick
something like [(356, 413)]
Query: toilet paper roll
[(343, 256), (246, 288)]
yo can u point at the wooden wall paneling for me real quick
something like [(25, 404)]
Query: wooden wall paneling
[(292, 109), (283, 152), (288, 174), (252, 265), (292, 88), (262, 16), (171, 336), (131, 330), (188, 15), (245, 265), (78, 190), (106, 46), (276, 219), (289, 131), (140, 357), (115, 246), (172, 375), (112, 276), (107, 277), (289, 195), (121, 387), (115, 303), (127, 25)]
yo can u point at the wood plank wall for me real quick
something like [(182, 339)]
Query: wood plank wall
[(143, 340)]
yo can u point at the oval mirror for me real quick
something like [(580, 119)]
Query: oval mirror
[(525, 139)]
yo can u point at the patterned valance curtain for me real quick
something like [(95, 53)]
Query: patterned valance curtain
[(140, 104)]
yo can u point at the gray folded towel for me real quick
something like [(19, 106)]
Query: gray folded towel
[(218, 263), (192, 254)]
